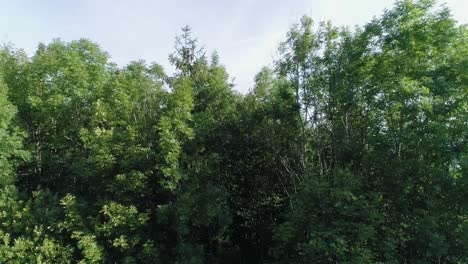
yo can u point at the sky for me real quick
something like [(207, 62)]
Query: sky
[(245, 33)]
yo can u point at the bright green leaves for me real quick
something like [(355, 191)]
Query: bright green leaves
[(352, 150), (124, 217), (54, 92), (307, 64), (28, 231), (174, 126), (90, 250), (117, 228), (124, 230), (10, 138), (174, 130), (384, 103), (36, 249)]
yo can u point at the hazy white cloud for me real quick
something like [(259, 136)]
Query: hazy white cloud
[(245, 33)]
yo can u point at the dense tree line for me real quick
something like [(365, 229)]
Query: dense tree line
[(351, 149)]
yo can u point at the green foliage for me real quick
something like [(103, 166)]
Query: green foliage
[(351, 149), (10, 138), (174, 129), (381, 116), (331, 219)]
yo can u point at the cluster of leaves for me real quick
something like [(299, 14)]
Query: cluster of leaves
[(352, 149)]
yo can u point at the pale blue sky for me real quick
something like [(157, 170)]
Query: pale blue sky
[(245, 33)]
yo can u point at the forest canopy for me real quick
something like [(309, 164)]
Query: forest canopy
[(352, 148)]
